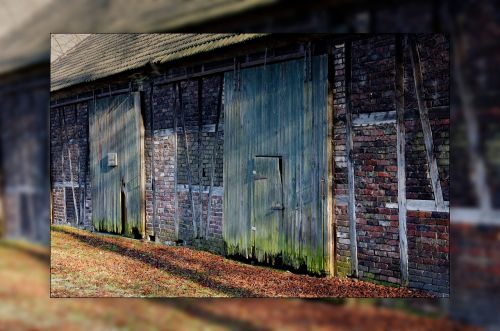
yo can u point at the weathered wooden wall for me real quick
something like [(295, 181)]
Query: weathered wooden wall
[(277, 111), (115, 126)]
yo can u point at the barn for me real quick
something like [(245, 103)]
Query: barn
[(322, 153)]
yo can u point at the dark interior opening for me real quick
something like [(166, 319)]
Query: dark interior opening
[(152, 238), (136, 234), (123, 202)]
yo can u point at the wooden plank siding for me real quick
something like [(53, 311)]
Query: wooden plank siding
[(278, 111), (115, 126)]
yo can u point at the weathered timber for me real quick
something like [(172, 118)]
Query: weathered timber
[(212, 157), (330, 235), (426, 127), (400, 133), (151, 162), (350, 163), (272, 117), (116, 127), (188, 166), (198, 150), (176, 196), (62, 125), (139, 126), (90, 98), (375, 118), (420, 205), (72, 184)]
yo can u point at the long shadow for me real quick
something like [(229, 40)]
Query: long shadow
[(153, 261), (194, 307)]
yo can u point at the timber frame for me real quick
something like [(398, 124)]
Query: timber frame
[(231, 63)]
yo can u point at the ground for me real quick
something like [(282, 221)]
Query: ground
[(85, 264), (25, 305)]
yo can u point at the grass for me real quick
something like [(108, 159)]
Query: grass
[(25, 305), (88, 264)]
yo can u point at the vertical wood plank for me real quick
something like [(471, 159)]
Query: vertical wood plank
[(141, 217), (72, 184), (330, 217), (274, 114), (426, 127), (153, 147), (350, 162), (176, 197), (62, 125), (198, 152), (400, 132)]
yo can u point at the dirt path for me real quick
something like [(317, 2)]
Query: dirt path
[(25, 305), (87, 264)]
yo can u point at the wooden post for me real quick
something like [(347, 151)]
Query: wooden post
[(212, 158), (188, 167), (330, 235), (426, 127), (176, 198), (72, 184), (198, 150), (350, 162), (151, 166), (400, 132), (62, 143)]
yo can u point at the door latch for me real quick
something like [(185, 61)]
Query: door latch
[(254, 228)]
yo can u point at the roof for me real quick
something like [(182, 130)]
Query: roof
[(30, 43), (102, 55)]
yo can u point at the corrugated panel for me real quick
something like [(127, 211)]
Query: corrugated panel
[(103, 55), (117, 192), (277, 114)]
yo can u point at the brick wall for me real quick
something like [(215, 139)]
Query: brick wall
[(170, 169), (160, 162), (340, 166), (68, 137), (375, 163), (374, 155)]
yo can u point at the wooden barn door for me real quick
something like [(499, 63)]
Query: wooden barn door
[(267, 206), (116, 160), (275, 163)]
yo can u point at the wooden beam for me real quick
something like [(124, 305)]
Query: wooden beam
[(330, 150), (176, 197), (72, 184), (376, 118), (142, 166), (421, 205), (62, 126), (350, 162), (426, 127), (85, 99), (400, 134), (151, 161), (226, 68), (198, 150)]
